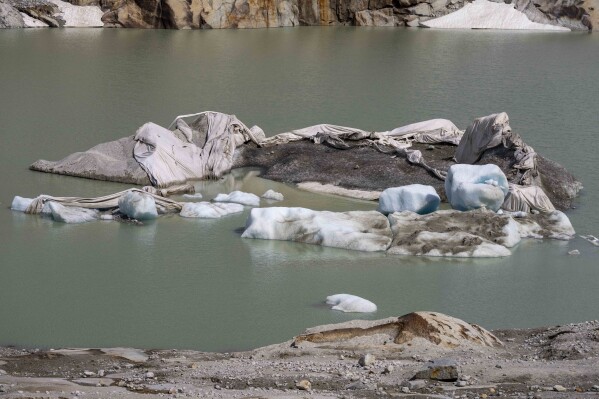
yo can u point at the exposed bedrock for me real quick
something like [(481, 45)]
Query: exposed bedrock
[(10, 16), (217, 14)]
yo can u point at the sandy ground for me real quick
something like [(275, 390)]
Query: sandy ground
[(556, 362)]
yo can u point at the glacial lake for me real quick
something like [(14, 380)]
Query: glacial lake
[(179, 283)]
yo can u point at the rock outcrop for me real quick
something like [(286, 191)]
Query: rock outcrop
[(10, 17), (218, 14), (414, 328)]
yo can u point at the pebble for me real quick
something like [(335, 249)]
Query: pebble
[(559, 388), (366, 360), (389, 369), (149, 374), (461, 383), (304, 385), (595, 388), (405, 389)]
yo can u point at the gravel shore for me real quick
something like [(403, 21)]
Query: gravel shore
[(555, 362)]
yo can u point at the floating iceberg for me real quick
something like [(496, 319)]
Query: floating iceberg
[(71, 214), (273, 195), (20, 203), (484, 14), (208, 210), (357, 230), (239, 197), (137, 205), (351, 303), (475, 186), (414, 198)]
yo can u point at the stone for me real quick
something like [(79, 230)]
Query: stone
[(10, 16), (304, 385), (559, 388), (414, 384), (366, 360), (149, 374), (439, 370)]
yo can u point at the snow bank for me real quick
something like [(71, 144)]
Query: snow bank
[(350, 303), (79, 16), (208, 210), (484, 14), (239, 197), (71, 214), (357, 230), (476, 186), (414, 198), (273, 195), (138, 206)]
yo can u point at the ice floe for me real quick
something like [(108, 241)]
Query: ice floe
[(414, 198), (484, 14), (239, 197), (209, 210), (351, 303), (71, 214), (476, 186), (137, 205), (357, 230), (273, 195)]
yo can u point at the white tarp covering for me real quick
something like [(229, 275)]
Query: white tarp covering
[(169, 160), (484, 14), (526, 199), (484, 133), (431, 131)]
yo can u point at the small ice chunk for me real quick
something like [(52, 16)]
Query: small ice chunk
[(273, 195), (71, 214), (469, 187), (20, 203), (350, 303), (209, 210), (239, 197), (193, 196), (574, 252), (138, 206), (414, 198)]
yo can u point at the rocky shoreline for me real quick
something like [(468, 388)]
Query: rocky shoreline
[(420, 355), (224, 14)]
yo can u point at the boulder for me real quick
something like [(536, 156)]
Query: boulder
[(137, 205), (239, 197), (439, 370), (356, 230), (453, 233), (384, 17), (414, 198), (350, 303), (430, 328), (208, 210), (10, 16), (476, 186)]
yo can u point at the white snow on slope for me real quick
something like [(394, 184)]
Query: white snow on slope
[(32, 22), (79, 16), (484, 14)]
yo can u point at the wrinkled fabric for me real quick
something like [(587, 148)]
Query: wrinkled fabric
[(527, 199), (484, 133)]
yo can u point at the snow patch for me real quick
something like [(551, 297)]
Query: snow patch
[(79, 16), (32, 22), (484, 14), (350, 303)]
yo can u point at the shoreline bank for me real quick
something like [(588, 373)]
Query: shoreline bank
[(548, 362)]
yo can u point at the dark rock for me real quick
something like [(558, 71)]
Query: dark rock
[(439, 370)]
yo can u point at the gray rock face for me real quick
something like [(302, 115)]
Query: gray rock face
[(217, 14), (10, 16)]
